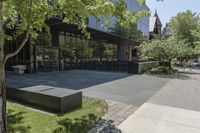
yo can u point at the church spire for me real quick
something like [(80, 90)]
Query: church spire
[(156, 13)]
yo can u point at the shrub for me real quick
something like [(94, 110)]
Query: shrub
[(161, 70)]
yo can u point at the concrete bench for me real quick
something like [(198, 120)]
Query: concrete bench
[(19, 69), (53, 99)]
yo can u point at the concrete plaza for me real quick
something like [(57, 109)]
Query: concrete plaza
[(124, 93), (173, 109), (120, 87), (138, 103)]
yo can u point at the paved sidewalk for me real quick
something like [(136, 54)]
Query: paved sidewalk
[(117, 113), (174, 109), (194, 70)]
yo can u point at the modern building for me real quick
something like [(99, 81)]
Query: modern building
[(132, 5), (142, 24), (66, 42), (155, 26)]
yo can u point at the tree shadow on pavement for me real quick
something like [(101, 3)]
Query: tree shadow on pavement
[(105, 126), (16, 123), (78, 125), (179, 75), (86, 124)]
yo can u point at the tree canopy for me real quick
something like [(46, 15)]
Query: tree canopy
[(196, 34), (131, 32), (164, 50), (30, 15), (184, 25)]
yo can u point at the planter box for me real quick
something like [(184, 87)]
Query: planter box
[(53, 99)]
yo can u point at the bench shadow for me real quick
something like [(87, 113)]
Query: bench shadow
[(16, 122)]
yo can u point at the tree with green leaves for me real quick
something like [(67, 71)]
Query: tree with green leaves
[(183, 25), (99, 50), (110, 51), (82, 50), (130, 32), (27, 18), (104, 51), (165, 50), (196, 35)]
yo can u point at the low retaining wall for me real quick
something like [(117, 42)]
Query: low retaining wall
[(118, 66), (138, 67), (122, 66)]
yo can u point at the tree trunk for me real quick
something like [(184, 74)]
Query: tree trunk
[(3, 59), (3, 119)]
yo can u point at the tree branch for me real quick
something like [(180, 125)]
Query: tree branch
[(26, 37), (18, 49)]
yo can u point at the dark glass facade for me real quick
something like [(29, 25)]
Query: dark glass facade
[(65, 44)]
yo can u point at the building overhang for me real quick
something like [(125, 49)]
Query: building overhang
[(57, 24)]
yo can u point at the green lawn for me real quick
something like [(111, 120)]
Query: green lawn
[(25, 120)]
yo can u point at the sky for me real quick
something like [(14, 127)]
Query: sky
[(170, 8)]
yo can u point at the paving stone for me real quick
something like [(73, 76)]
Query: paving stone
[(118, 112)]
